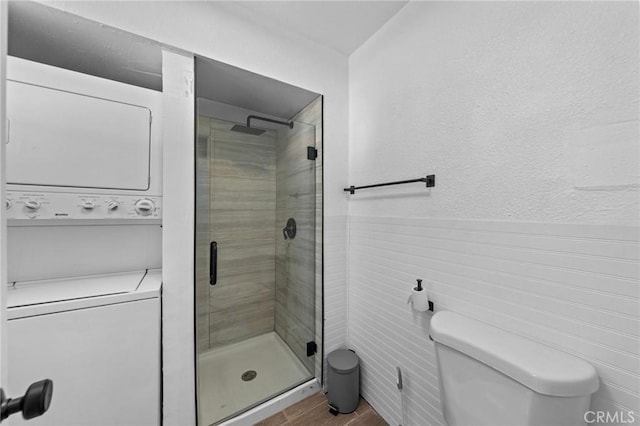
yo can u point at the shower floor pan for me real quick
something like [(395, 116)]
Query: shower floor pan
[(237, 377)]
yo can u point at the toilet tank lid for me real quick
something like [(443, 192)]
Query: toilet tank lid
[(540, 368)]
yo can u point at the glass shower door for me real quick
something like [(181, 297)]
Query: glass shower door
[(295, 253), (255, 199)]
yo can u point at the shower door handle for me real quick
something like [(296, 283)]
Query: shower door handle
[(213, 263)]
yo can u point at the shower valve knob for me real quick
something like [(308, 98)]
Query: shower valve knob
[(289, 231)]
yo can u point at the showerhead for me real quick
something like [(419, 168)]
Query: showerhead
[(250, 130), (256, 132)]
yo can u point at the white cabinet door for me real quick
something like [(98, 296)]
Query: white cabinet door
[(59, 138)]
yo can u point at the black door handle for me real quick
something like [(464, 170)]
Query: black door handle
[(213, 263), (34, 403)]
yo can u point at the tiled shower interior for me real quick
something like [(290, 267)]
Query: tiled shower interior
[(237, 208), (264, 301)]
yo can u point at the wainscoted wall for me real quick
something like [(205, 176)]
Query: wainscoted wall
[(335, 285), (240, 180), (527, 113), (572, 287)]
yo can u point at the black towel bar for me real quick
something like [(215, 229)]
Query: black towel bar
[(430, 180)]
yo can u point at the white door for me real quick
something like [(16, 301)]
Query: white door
[(3, 220)]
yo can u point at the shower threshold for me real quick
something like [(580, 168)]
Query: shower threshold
[(240, 376)]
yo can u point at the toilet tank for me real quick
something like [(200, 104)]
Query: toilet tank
[(492, 377)]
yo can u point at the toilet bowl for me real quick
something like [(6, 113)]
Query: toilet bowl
[(495, 378)]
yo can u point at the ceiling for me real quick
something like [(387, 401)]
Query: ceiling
[(241, 88), (341, 25), (44, 34)]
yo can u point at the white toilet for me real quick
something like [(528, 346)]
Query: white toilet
[(494, 378)]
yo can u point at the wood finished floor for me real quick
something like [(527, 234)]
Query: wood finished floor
[(314, 411)]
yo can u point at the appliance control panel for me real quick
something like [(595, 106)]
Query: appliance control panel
[(58, 206)]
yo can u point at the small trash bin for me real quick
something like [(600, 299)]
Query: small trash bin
[(344, 381)]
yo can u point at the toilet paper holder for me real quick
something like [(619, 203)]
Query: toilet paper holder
[(430, 304), (419, 288)]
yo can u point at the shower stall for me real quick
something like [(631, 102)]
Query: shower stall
[(258, 241)]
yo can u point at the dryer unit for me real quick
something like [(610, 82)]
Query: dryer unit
[(80, 147)]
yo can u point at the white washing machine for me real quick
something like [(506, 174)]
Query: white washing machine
[(97, 338), (84, 210)]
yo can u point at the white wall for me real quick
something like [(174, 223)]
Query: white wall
[(527, 113), (219, 30), (178, 268), (507, 103)]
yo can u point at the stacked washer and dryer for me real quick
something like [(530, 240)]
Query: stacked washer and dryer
[(84, 207)]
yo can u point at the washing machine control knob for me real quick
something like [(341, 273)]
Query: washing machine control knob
[(8, 204), (88, 205), (113, 205), (32, 204), (145, 207)]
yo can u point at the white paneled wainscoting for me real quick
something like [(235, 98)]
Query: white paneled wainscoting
[(335, 286), (573, 287)]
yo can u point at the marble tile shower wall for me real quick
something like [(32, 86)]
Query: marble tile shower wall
[(236, 208)]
